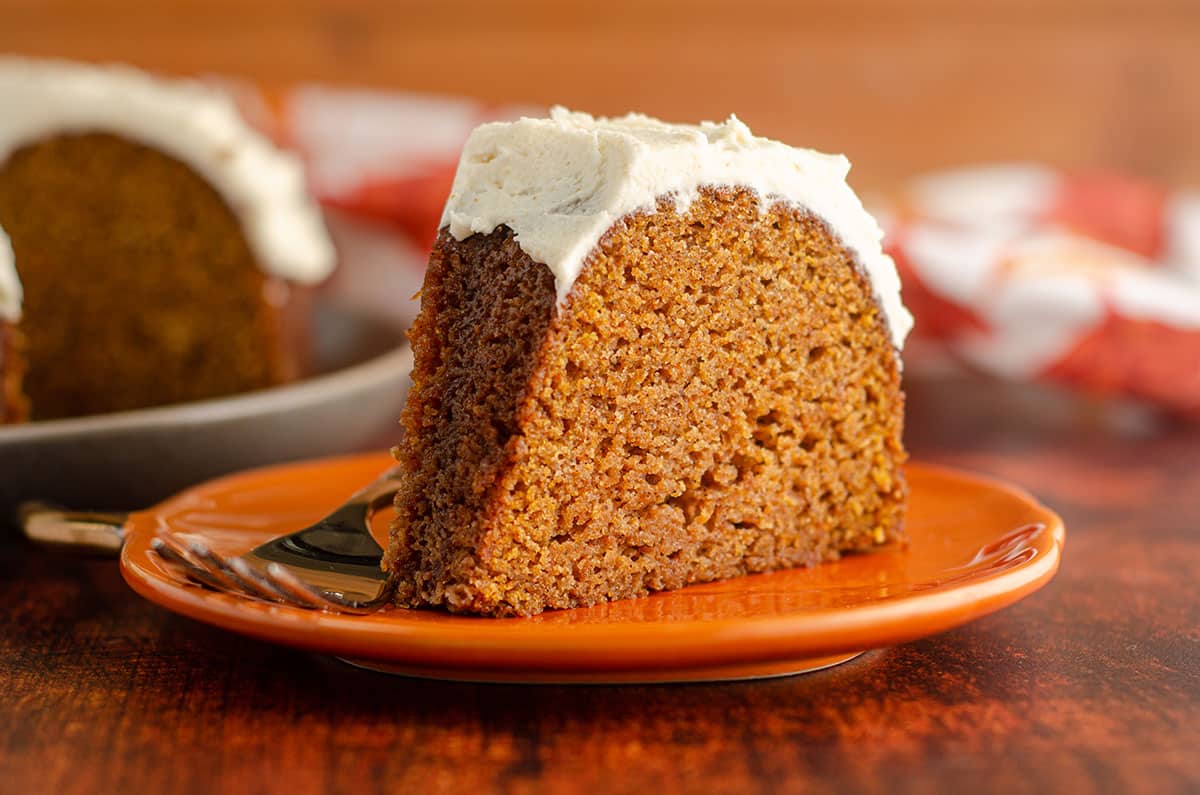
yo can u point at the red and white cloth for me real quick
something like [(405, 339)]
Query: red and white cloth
[(1087, 279)]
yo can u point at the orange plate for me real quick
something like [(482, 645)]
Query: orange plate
[(975, 546)]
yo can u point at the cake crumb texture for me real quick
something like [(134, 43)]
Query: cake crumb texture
[(718, 395)]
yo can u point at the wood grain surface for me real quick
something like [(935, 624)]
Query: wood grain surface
[(1090, 686)]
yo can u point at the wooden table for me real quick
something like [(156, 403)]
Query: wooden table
[(1092, 685)]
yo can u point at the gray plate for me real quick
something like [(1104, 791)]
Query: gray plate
[(133, 459)]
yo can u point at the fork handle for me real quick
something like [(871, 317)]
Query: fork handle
[(91, 532)]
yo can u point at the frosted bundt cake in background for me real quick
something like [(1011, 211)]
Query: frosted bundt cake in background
[(152, 243), (647, 355)]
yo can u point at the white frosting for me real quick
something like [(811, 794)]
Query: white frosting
[(191, 122), (10, 285), (560, 183)]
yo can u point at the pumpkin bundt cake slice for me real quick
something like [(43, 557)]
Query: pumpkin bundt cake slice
[(647, 356)]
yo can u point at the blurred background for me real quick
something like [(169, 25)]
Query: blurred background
[(901, 87)]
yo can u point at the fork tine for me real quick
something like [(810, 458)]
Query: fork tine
[(202, 564), (260, 584), (175, 547), (233, 575), (231, 579), (283, 580), (175, 558)]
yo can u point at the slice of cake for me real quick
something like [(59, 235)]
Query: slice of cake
[(157, 243), (647, 355)]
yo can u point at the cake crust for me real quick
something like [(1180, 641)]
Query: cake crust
[(718, 395)]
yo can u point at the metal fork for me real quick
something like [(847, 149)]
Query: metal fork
[(330, 565)]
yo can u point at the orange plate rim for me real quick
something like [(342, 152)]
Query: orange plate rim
[(526, 645)]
